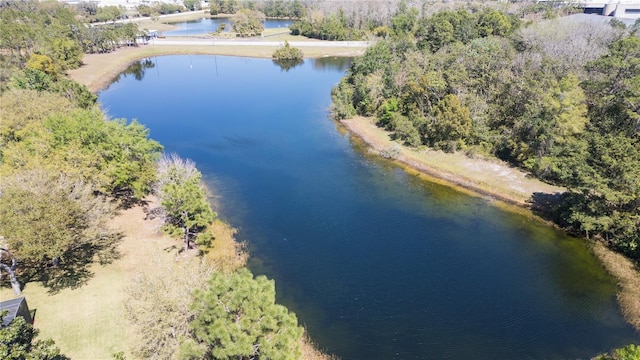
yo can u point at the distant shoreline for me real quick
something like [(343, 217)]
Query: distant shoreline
[(99, 70)]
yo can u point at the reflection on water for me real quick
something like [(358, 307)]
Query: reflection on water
[(137, 69), (287, 65), (332, 63), (377, 263)]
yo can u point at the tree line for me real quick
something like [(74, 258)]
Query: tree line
[(559, 98)]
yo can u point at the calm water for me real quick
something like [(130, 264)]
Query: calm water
[(205, 26), (377, 264)]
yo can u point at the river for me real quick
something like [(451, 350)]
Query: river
[(376, 263)]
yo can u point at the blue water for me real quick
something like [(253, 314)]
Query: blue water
[(205, 25), (376, 263)]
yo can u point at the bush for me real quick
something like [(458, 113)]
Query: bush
[(287, 52)]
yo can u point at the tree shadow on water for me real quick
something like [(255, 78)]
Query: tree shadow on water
[(554, 207)]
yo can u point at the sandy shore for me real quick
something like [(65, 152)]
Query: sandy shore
[(491, 178)]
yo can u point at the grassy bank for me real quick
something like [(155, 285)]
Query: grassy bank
[(491, 178)]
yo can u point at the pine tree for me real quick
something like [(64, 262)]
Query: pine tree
[(237, 318)]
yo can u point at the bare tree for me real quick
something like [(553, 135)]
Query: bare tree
[(10, 269)]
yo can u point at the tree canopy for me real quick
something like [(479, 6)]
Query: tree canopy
[(18, 342), (237, 318), (248, 22), (187, 211)]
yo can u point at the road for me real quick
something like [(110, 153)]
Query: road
[(225, 42)]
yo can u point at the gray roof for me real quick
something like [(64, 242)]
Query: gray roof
[(14, 307)]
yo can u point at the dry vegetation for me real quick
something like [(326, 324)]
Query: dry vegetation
[(628, 278), (88, 322)]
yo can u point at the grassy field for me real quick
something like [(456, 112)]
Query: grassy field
[(88, 322)]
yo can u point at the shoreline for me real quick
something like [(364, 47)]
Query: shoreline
[(98, 70), (510, 189), (492, 179)]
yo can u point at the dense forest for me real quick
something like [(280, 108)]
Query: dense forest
[(559, 98)]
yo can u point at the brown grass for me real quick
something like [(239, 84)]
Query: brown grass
[(311, 352), (225, 253), (628, 276)]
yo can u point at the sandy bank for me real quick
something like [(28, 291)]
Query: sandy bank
[(491, 178)]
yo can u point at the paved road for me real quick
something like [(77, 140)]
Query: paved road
[(225, 42)]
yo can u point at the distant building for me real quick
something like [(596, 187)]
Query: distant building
[(15, 307)]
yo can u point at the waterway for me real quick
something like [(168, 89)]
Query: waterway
[(376, 263)]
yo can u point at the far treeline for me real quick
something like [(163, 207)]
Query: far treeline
[(559, 98)]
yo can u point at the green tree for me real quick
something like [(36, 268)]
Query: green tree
[(184, 201), (42, 63), (22, 109), (446, 27), (18, 342), (66, 53), (286, 52), (35, 79), (629, 352), (613, 89), (192, 5), (435, 32), (248, 23), (50, 219), (115, 157), (237, 318), (287, 57), (493, 22), (451, 124), (108, 13), (405, 20)]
